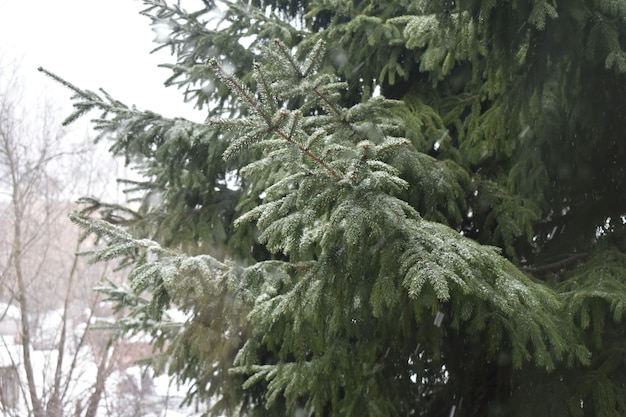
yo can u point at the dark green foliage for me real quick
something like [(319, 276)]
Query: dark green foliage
[(452, 246)]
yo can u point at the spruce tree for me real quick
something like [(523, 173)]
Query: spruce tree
[(428, 216)]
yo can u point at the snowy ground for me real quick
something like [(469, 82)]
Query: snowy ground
[(131, 391)]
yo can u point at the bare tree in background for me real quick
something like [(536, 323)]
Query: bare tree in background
[(41, 273)]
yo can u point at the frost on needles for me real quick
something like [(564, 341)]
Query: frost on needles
[(351, 261)]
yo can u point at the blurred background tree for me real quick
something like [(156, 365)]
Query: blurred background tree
[(52, 362)]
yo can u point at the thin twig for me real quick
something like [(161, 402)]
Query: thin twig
[(266, 86), (327, 101), (316, 55), (307, 153), (62, 81), (234, 83), (287, 54)]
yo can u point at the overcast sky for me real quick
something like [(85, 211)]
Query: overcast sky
[(93, 44)]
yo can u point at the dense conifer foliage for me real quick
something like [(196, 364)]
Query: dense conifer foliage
[(394, 208)]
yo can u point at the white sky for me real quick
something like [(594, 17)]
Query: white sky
[(93, 44)]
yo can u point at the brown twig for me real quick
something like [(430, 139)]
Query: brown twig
[(307, 153), (327, 101)]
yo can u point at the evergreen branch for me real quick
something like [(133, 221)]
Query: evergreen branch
[(308, 153), (313, 59), (334, 10), (88, 99), (264, 87), (294, 123), (239, 89), (120, 240), (327, 102), (60, 80), (287, 55), (313, 138), (390, 144)]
